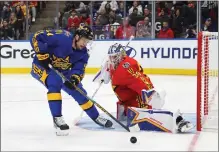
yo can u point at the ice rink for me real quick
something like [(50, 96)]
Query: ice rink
[(26, 123)]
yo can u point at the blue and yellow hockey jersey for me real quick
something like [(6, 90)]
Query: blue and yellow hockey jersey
[(58, 45)]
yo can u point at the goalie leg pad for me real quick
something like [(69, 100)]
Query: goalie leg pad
[(150, 119)]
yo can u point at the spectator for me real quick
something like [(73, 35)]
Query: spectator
[(23, 8), (165, 32), (107, 6), (20, 20), (177, 23), (189, 14), (113, 24), (134, 13), (14, 4), (7, 33), (26, 14), (105, 14), (6, 11), (79, 7), (147, 13), (162, 13), (85, 19), (33, 5), (125, 30), (120, 11), (136, 5), (191, 4), (207, 25), (112, 17), (163, 6), (12, 20), (73, 20), (191, 32), (143, 28)]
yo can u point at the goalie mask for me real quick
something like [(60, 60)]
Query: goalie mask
[(116, 53)]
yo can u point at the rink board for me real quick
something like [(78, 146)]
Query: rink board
[(95, 70), (87, 123), (155, 56)]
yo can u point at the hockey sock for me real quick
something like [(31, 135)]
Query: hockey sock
[(55, 103), (90, 109)]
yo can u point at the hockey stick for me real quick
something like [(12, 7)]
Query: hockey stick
[(82, 112), (131, 37), (64, 79)]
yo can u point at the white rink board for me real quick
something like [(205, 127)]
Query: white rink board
[(169, 54)]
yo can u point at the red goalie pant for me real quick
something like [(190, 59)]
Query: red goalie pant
[(122, 107)]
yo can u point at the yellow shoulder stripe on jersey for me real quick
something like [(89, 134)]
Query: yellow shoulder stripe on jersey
[(87, 105), (34, 40), (42, 56), (54, 96)]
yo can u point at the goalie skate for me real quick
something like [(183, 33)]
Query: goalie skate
[(103, 122), (184, 126), (61, 128)]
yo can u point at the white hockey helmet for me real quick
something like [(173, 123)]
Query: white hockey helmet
[(116, 53)]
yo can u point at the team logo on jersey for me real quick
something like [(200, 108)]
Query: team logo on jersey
[(126, 65), (61, 63)]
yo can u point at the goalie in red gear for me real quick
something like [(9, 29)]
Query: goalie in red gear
[(135, 89), (128, 79)]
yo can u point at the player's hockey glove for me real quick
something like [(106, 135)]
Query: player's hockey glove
[(44, 60), (74, 80)]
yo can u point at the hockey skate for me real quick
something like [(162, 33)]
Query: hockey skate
[(183, 126), (103, 122), (62, 129)]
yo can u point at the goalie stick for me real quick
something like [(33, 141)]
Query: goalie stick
[(64, 79)]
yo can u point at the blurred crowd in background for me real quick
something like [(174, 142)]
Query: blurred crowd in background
[(113, 19), (15, 18)]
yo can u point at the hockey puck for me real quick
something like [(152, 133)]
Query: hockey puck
[(133, 140)]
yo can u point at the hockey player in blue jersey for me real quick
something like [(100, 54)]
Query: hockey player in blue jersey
[(69, 55)]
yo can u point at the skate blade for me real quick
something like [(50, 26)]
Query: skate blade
[(187, 128), (62, 132)]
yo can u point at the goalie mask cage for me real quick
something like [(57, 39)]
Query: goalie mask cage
[(207, 82)]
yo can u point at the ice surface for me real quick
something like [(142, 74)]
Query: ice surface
[(26, 122)]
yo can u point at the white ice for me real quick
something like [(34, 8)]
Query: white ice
[(26, 123)]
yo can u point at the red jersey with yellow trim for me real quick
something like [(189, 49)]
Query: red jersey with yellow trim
[(128, 80)]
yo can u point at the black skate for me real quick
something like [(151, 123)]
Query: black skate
[(62, 129), (103, 122), (183, 126)]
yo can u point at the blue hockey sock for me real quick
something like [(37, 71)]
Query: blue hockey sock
[(90, 109), (55, 104)]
